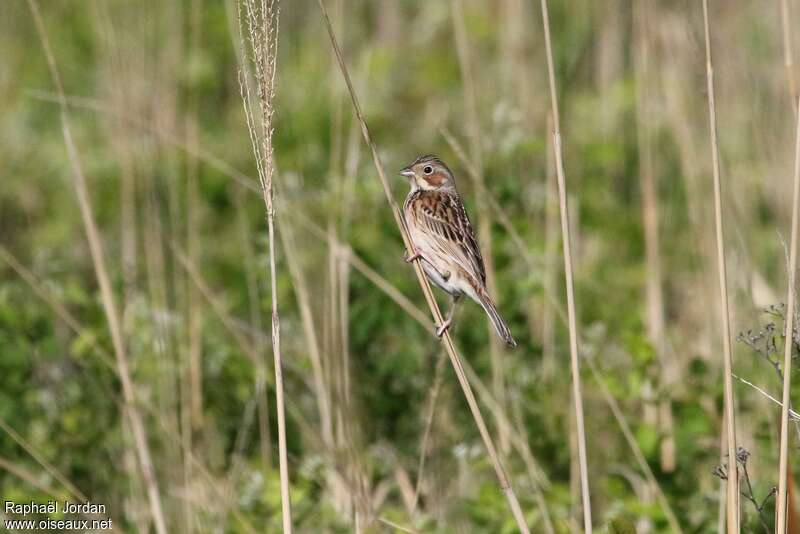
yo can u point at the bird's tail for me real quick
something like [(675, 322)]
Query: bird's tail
[(499, 324)]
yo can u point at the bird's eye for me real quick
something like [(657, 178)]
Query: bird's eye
[(428, 169)]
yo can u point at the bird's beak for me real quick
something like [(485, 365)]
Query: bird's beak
[(408, 173)]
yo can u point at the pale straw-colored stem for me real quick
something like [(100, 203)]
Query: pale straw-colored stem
[(789, 341), (538, 478), (447, 340), (396, 526), (788, 54), (104, 281), (794, 415), (254, 302), (484, 223), (304, 302), (732, 484), (33, 479), (567, 252), (429, 417), (637, 451), (41, 460), (262, 24)]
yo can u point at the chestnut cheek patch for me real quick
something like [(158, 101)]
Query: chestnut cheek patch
[(436, 179)]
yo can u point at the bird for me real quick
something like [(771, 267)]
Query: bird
[(443, 240)]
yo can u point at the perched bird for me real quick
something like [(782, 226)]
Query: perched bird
[(444, 241)]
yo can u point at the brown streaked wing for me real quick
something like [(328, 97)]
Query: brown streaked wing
[(444, 216)]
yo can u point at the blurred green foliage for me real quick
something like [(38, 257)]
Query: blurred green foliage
[(134, 81)]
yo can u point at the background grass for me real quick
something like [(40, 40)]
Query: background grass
[(143, 76)]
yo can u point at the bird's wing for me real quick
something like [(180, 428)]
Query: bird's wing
[(442, 216)]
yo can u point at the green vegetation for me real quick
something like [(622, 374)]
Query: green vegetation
[(153, 101)]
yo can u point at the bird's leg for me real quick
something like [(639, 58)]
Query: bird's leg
[(417, 255), (449, 320)]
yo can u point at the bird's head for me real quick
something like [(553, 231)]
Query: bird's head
[(429, 173)]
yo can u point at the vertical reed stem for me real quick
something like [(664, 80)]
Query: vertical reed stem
[(732, 484), (496, 357), (788, 55), (262, 20), (455, 359), (789, 342), (567, 253), (103, 279)]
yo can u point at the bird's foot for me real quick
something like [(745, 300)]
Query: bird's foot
[(440, 330), (417, 255)]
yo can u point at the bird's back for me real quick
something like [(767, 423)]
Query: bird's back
[(441, 230)]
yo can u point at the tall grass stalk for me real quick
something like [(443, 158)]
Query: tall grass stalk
[(788, 342), (254, 302), (550, 283), (304, 302), (732, 484), (455, 358), (433, 396), (627, 433), (656, 324), (236, 330), (194, 311), (538, 479), (484, 221), (788, 54), (567, 253), (103, 279), (41, 460), (261, 20), (554, 306), (32, 479)]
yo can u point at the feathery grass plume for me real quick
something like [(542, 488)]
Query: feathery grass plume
[(104, 280), (455, 358), (788, 344), (258, 23), (577, 396), (732, 483)]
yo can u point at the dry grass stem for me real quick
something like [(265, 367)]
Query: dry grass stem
[(788, 336), (236, 331), (549, 364), (484, 221), (538, 478), (732, 484), (788, 54), (656, 324), (635, 449), (793, 414), (429, 418), (101, 272), (261, 22), (395, 526), (31, 478), (321, 392), (455, 359), (41, 460), (59, 309), (567, 253), (254, 300)]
